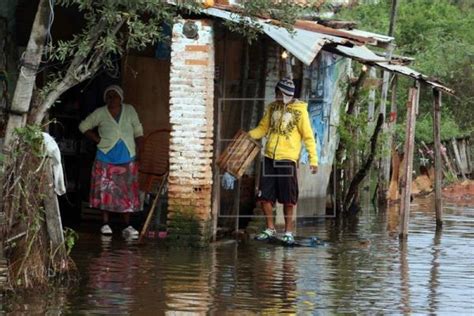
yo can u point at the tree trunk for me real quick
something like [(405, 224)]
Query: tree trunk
[(353, 188), (26, 80)]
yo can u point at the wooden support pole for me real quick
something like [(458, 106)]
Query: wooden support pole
[(53, 216), (393, 17), (458, 158), (408, 160), (384, 171), (437, 156)]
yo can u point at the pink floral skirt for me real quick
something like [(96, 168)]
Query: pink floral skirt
[(114, 188)]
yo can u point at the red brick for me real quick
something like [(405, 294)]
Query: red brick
[(197, 62), (197, 48)]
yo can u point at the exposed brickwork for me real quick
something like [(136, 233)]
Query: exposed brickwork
[(197, 48), (191, 118)]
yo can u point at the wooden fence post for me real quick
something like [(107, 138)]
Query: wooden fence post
[(457, 157), (437, 156), (53, 216), (408, 160)]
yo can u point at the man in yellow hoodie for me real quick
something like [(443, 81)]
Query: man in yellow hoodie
[(286, 125)]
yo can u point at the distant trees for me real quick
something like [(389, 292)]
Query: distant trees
[(438, 34)]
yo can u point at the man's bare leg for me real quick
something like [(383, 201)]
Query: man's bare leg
[(288, 211), (268, 211)]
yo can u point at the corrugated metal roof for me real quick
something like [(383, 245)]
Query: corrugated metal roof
[(407, 71), (360, 53), (378, 38), (305, 45), (302, 44)]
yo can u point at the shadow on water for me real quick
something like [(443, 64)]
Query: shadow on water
[(363, 268)]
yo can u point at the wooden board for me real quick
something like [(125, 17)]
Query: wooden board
[(146, 87), (238, 155)]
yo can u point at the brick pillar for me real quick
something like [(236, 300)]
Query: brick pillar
[(191, 118)]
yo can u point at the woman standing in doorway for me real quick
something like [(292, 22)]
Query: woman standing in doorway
[(114, 181)]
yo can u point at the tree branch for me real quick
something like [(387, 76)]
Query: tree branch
[(78, 71), (352, 96), (360, 175)]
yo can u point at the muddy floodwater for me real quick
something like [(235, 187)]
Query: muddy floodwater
[(363, 269)]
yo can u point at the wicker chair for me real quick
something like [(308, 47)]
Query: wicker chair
[(154, 159)]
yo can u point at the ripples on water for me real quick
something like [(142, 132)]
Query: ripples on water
[(363, 269)]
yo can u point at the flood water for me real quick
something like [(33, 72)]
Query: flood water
[(362, 269)]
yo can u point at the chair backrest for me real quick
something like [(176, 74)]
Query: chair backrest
[(154, 158)]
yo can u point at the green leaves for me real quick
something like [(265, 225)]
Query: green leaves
[(70, 238), (33, 137), (438, 34)]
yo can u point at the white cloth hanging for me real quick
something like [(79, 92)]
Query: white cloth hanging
[(53, 152)]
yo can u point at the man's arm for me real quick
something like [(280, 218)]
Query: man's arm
[(262, 128), (310, 143)]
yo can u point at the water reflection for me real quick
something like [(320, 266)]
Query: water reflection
[(111, 278), (363, 269), (434, 273), (404, 278)]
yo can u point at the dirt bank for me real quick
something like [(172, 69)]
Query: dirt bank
[(459, 192)]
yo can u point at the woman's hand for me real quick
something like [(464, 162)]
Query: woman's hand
[(92, 135)]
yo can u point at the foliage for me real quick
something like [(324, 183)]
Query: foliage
[(347, 127), (32, 136), (110, 29), (424, 129), (286, 12), (70, 238), (438, 33), (31, 257)]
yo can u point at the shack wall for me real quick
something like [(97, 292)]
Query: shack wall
[(192, 127)]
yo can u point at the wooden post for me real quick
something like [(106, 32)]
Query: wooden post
[(384, 171), (216, 191), (467, 146), (437, 156), (371, 117), (408, 160), (393, 17), (458, 158), (53, 216), (464, 156)]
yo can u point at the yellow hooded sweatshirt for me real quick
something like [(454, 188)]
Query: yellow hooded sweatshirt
[(286, 127)]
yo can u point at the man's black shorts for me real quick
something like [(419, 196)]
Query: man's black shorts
[(278, 182)]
